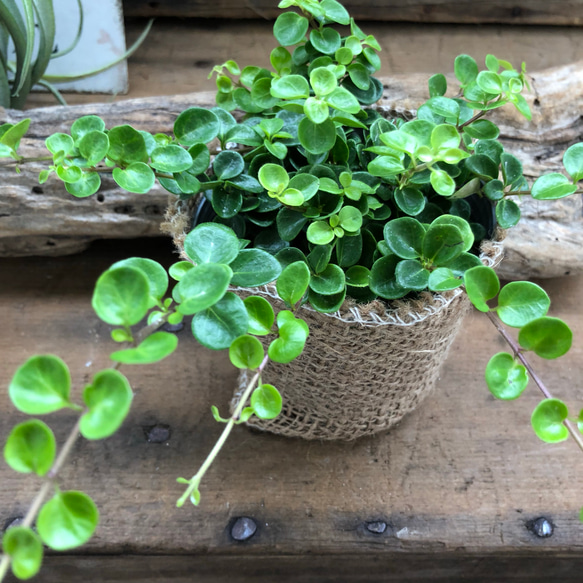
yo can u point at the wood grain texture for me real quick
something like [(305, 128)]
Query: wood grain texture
[(434, 11), (462, 476)]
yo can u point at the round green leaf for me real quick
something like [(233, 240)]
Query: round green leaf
[(482, 284), (506, 378), (228, 164), (323, 81), (547, 420), (108, 399), (60, 143), (573, 161), (86, 124), (293, 282), (266, 402), (69, 174), (462, 225), (154, 348), (201, 158), (482, 165), (94, 146), (443, 279), (547, 337), (325, 40), (507, 213), (552, 186), (273, 177), (254, 267), (171, 158), (320, 233), (154, 272), (25, 550), (520, 302), (482, 129), (211, 243), (41, 385), (196, 125), (67, 521), (178, 270), (261, 316), (335, 12), (326, 304), (290, 343), (465, 69), (290, 28), (329, 281), (246, 352), (412, 275), (202, 286), (383, 281), (316, 110), (290, 87), (350, 219), (410, 200), (511, 168), (31, 447), (404, 237), (88, 184), (121, 296), (357, 276), (442, 243), (137, 177), (126, 144), (442, 182), (489, 82), (219, 325), (317, 138)]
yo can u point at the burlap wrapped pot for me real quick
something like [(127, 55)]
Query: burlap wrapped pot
[(364, 367)]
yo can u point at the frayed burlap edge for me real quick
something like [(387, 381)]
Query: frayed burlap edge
[(363, 367)]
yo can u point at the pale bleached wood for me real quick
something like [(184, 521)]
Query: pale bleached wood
[(460, 477), (556, 104), (435, 11)]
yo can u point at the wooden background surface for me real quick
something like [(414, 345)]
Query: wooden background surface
[(458, 483)]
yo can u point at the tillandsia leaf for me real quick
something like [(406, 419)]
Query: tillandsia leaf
[(506, 378), (25, 550), (41, 385), (520, 302), (31, 447), (67, 521), (45, 20), (75, 42), (547, 337), (108, 399), (246, 352), (547, 420)]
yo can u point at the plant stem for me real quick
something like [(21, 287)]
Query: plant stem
[(538, 381), (195, 480), (45, 489), (25, 160)]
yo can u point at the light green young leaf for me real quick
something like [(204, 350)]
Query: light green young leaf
[(266, 402), (31, 447), (154, 348), (25, 550), (505, 377), (547, 420), (520, 302), (482, 284), (293, 282), (246, 352), (548, 337)]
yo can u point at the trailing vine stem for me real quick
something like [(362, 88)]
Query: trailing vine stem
[(518, 352), (195, 480)]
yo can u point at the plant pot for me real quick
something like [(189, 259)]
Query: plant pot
[(364, 367)]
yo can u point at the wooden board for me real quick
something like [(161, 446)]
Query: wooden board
[(458, 482), (436, 11)]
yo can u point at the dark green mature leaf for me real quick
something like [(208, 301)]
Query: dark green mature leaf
[(329, 281), (246, 352), (383, 281), (108, 399), (462, 225), (67, 521), (437, 85), (41, 385), (520, 302), (261, 315), (506, 378), (410, 200), (507, 213), (94, 146), (511, 168), (442, 244), (317, 138), (121, 296), (482, 284), (25, 550), (31, 447), (266, 402), (152, 349), (482, 129), (219, 325), (404, 237), (154, 272), (573, 161), (171, 158), (465, 69), (482, 165), (412, 275), (547, 337), (202, 286), (212, 243), (228, 164), (293, 282), (126, 145), (196, 125), (253, 267), (547, 420), (137, 177), (290, 223)]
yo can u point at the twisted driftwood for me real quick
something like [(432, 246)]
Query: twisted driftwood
[(46, 220)]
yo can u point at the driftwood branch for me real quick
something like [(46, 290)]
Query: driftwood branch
[(46, 220)]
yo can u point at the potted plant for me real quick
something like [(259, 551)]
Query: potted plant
[(376, 232)]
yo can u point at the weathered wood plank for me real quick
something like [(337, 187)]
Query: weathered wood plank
[(464, 474), (556, 12)]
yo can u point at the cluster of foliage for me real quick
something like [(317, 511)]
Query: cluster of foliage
[(133, 292), (310, 187), (30, 24)]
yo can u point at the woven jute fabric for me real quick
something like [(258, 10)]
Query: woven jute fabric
[(364, 367)]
